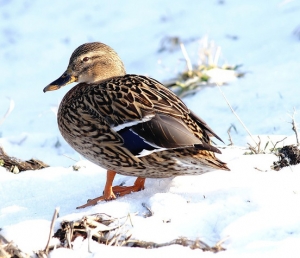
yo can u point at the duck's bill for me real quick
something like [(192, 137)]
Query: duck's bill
[(60, 82)]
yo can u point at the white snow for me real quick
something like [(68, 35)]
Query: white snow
[(254, 209)]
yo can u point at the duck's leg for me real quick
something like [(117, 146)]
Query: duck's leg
[(138, 185), (111, 192), (107, 193)]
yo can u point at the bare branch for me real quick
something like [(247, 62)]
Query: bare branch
[(51, 229), (235, 113), (274, 145)]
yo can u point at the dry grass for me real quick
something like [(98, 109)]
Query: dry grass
[(111, 231), (197, 74), (9, 249), (15, 165), (295, 127)]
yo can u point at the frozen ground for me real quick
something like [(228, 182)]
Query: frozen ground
[(256, 211)]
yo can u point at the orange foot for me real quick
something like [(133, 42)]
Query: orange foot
[(111, 193)]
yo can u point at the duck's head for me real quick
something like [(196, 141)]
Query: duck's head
[(90, 63)]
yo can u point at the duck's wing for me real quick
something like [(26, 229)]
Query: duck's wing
[(148, 116), (204, 126), (169, 132)]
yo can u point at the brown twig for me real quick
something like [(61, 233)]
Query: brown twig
[(193, 244), (274, 145), (260, 169), (228, 131), (294, 127), (46, 250), (256, 149)]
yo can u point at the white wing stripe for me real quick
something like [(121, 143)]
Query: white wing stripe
[(131, 123)]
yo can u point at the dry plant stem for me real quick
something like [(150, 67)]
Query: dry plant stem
[(126, 239), (51, 229), (256, 149), (115, 239), (150, 212), (217, 56), (69, 236), (9, 249), (3, 245), (69, 157), (274, 145), (187, 59), (89, 240), (260, 169), (230, 139), (197, 244), (235, 113), (294, 127), (218, 245), (117, 233), (118, 239), (10, 109), (3, 253), (130, 219)]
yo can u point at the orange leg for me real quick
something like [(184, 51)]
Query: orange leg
[(111, 192), (123, 190)]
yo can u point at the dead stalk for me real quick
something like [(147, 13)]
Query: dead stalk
[(150, 212), (51, 230), (235, 114), (187, 59), (228, 132), (294, 127), (217, 56), (89, 235), (69, 235), (274, 145), (9, 110)]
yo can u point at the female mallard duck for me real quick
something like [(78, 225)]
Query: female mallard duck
[(129, 124)]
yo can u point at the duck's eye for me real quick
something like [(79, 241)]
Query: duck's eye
[(86, 59)]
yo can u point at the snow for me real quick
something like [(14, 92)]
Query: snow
[(254, 209)]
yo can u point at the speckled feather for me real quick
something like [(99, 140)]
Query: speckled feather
[(89, 112), (129, 124)]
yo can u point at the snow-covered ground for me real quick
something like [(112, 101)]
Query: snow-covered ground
[(256, 211)]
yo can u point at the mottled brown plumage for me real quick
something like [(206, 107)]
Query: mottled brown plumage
[(129, 124)]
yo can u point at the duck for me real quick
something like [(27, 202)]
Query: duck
[(129, 124)]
